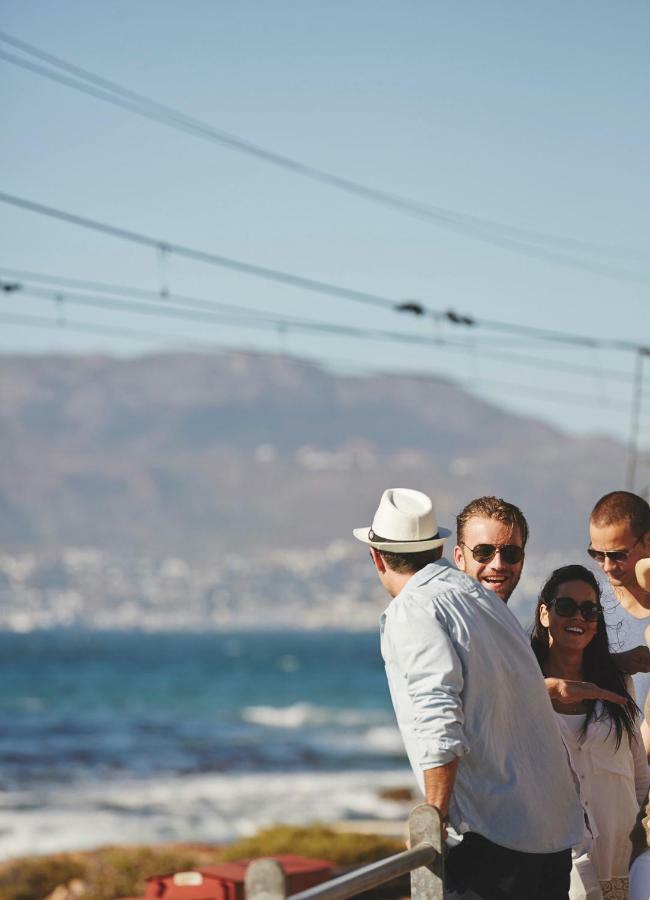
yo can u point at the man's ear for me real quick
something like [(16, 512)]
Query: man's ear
[(378, 560), (645, 543), (459, 559)]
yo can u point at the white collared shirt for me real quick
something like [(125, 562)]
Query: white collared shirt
[(613, 785), (465, 683)]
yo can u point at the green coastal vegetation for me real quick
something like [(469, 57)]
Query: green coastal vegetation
[(110, 872)]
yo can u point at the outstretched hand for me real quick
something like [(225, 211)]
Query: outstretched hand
[(633, 661), (563, 691)]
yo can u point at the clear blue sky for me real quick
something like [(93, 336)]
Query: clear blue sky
[(535, 115)]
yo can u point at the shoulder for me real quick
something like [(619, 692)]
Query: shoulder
[(442, 579), (447, 596)]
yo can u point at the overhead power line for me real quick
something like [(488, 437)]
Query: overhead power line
[(530, 242), (41, 322), (317, 285), (214, 259), (103, 287), (183, 342), (169, 310), (17, 278), (266, 321)]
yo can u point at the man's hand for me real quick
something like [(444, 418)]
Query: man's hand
[(564, 691), (443, 826), (633, 661)]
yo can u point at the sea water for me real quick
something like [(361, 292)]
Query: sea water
[(139, 737)]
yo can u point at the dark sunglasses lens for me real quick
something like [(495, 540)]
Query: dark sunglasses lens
[(590, 612), (565, 606), (512, 554), (484, 552), (614, 555)]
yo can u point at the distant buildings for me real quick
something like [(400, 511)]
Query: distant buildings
[(325, 588)]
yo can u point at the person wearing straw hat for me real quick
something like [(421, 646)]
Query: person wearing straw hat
[(473, 712)]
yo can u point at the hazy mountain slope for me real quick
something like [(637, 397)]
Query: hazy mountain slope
[(203, 453)]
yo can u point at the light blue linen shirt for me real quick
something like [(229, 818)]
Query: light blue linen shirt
[(465, 682)]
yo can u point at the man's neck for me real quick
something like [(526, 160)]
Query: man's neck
[(634, 600), (396, 581)]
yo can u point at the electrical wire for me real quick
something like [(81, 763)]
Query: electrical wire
[(198, 346), (31, 321), (316, 285), (266, 321), (527, 241), (113, 289), (214, 259), (100, 287)]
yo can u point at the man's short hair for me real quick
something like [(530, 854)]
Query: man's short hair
[(622, 506), (403, 563), (492, 508)]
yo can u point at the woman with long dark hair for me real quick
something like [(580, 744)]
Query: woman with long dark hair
[(602, 737)]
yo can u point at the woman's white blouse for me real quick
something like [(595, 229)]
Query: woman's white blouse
[(612, 785)]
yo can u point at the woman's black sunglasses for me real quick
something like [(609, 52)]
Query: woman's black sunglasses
[(567, 607), (485, 553)]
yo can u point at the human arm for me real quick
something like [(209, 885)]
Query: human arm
[(645, 736), (427, 680), (633, 661), (639, 753), (641, 771), (439, 786), (564, 691), (645, 727)]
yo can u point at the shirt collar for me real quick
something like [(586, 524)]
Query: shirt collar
[(428, 573)]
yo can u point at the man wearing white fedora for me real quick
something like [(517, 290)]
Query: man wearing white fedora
[(463, 681)]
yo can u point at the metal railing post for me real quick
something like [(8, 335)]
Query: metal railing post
[(265, 880), (427, 882)]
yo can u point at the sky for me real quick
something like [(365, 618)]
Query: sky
[(534, 116)]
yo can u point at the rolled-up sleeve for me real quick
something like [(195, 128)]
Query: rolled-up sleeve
[(426, 660)]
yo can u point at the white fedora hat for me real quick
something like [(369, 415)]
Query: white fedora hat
[(404, 523)]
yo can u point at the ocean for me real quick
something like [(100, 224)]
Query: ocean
[(139, 737)]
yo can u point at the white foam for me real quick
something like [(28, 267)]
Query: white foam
[(211, 808), (385, 740), (298, 715)]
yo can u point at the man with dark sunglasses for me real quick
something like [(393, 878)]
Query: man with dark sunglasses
[(491, 537), (619, 528)]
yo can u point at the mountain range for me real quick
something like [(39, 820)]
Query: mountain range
[(205, 454)]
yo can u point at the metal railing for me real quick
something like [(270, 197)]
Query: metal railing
[(265, 878)]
